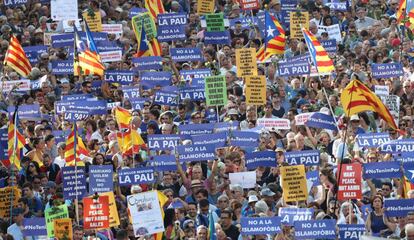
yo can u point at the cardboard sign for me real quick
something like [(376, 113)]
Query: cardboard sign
[(63, 229), (113, 211), (96, 212), (216, 91), (205, 6), (294, 183), (256, 90), (297, 21), (94, 22), (52, 214), (349, 186), (6, 195), (215, 22), (246, 62), (144, 19), (250, 4)]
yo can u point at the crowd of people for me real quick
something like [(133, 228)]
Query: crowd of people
[(370, 35)]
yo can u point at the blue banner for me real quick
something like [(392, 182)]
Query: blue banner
[(291, 215), (153, 79), (398, 146), (77, 97), (14, 3), (164, 163), (133, 176), (166, 98), (307, 158), (260, 226), (405, 157), (246, 22), (322, 121), (351, 231), (382, 170), (67, 40), (100, 179), (226, 126), (4, 137), (35, 226), (171, 26), (195, 76), (123, 77), (217, 37), (193, 93), (186, 54), (60, 136), (74, 183), (163, 141), (244, 139), (398, 207), (135, 11), (138, 103), (30, 111), (130, 91), (107, 46), (147, 63), (286, 7), (329, 45), (188, 153), (196, 129), (313, 176), (92, 107), (260, 159), (62, 67), (314, 229), (387, 70), (372, 140), (295, 66), (217, 139), (33, 53)]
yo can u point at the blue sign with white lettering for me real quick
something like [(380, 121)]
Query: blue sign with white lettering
[(164, 163), (166, 98), (100, 178), (313, 229), (133, 176), (14, 3), (189, 153), (138, 103), (77, 97), (398, 146), (217, 37), (246, 22), (307, 158), (226, 126), (351, 231), (329, 45), (193, 93), (260, 159), (218, 139), (313, 176), (291, 215), (35, 226), (147, 63), (62, 67), (405, 157), (123, 77), (295, 66), (286, 7), (387, 70), (91, 106), (186, 54), (74, 182), (260, 226), (195, 76), (29, 111), (4, 137), (130, 92), (322, 121), (33, 52), (152, 79), (163, 141), (67, 40), (196, 129), (171, 26), (388, 169), (244, 139), (398, 207), (370, 140), (60, 135)]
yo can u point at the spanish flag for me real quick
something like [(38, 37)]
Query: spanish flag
[(73, 141), (154, 7), (16, 58), (130, 142), (356, 97), (123, 117), (320, 57), (16, 142)]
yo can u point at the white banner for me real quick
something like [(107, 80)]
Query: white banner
[(64, 10), (274, 123), (111, 56)]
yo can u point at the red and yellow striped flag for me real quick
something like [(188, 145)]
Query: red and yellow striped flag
[(320, 57), (16, 142), (262, 55), (70, 149), (275, 39), (402, 9), (410, 23), (16, 58), (123, 117), (154, 7), (130, 142)]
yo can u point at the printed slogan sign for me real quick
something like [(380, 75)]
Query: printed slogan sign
[(256, 90), (294, 183), (350, 182)]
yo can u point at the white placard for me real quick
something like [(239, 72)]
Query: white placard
[(244, 179), (19, 85), (112, 28), (64, 10), (334, 32), (274, 123), (382, 90), (111, 56), (300, 119)]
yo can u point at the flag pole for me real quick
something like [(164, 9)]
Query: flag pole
[(75, 134), (14, 161)]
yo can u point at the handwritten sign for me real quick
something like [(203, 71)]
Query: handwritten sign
[(294, 183), (297, 21), (215, 22), (205, 6), (63, 228), (215, 91), (6, 195), (94, 21), (256, 90), (246, 62)]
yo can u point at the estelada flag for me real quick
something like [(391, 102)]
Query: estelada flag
[(356, 98)]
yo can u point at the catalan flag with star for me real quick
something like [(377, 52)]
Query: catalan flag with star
[(356, 98), (320, 57), (275, 39), (16, 142)]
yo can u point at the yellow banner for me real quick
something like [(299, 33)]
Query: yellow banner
[(113, 211), (6, 197), (63, 229), (256, 90), (205, 6), (297, 22), (246, 62), (95, 22), (294, 183)]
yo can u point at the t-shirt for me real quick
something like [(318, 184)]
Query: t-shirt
[(232, 232)]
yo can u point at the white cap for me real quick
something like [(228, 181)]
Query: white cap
[(253, 198), (324, 110), (354, 117)]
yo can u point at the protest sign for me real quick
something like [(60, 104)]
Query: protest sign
[(387, 70), (132, 176), (64, 10), (35, 226), (321, 121), (62, 67), (147, 63), (301, 119), (350, 180), (392, 102), (295, 66), (135, 11), (188, 153), (153, 79), (219, 139), (63, 229), (333, 31), (262, 225), (100, 179), (131, 92), (312, 178), (33, 52), (163, 142), (111, 56), (382, 90), (217, 37), (94, 20), (307, 158), (244, 139), (171, 26), (398, 207), (164, 163), (166, 98), (67, 40), (195, 76), (315, 229), (215, 22), (8, 195), (293, 180), (14, 3), (52, 214), (196, 129), (145, 20), (329, 46), (274, 123), (372, 140), (286, 7), (389, 169), (186, 54), (298, 20), (145, 213), (123, 77), (398, 146), (244, 179), (205, 6), (260, 159), (256, 90), (250, 4), (18, 85), (26, 111), (112, 28), (74, 182), (216, 91), (113, 212), (96, 212), (351, 231), (193, 93), (290, 215), (246, 62)]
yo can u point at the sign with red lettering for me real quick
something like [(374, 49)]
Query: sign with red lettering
[(350, 182), (96, 212), (250, 4)]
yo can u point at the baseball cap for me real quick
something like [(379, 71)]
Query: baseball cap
[(267, 192), (253, 198)]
